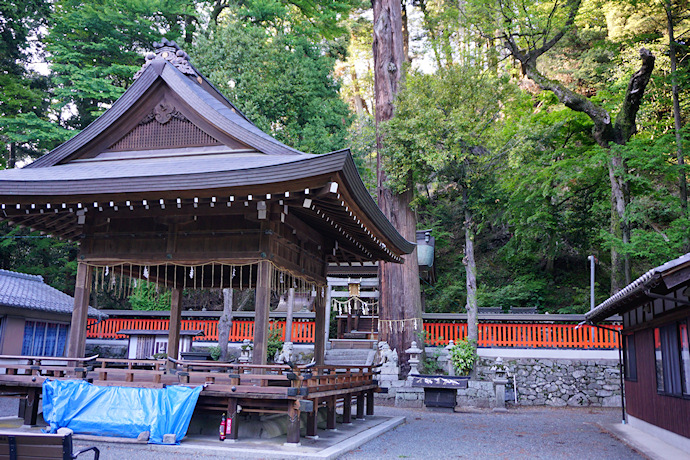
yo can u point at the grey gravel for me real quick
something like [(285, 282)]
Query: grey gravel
[(534, 433), (530, 433)]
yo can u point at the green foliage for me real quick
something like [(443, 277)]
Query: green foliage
[(282, 82), (148, 296), (463, 355), (95, 49), (214, 352), (430, 365), (524, 291), (28, 252), (275, 343)]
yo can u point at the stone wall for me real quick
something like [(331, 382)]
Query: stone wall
[(540, 382), (550, 382)]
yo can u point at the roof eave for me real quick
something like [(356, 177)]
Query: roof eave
[(635, 293)]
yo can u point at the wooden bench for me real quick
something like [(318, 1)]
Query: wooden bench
[(18, 446)]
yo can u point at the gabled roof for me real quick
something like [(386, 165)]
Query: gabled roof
[(19, 290), (635, 292), (197, 92), (173, 136)]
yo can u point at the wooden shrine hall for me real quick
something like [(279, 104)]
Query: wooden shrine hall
[(175, 186)]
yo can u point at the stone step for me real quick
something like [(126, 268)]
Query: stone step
[(353, 344), (349, 357)]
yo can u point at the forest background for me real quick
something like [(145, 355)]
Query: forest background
[(477, 131)]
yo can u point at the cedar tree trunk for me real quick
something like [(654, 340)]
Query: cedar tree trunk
[(400, 300)]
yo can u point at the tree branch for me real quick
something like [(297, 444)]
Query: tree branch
[(625, 125)]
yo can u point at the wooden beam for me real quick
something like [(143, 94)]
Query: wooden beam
[(262, 305), (82, 292), (175, 323)]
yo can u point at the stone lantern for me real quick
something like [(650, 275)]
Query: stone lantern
[(500, 382), (414, 351)]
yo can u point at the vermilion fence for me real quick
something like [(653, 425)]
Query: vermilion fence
[(526, 335), (302, 331), (534, 335)]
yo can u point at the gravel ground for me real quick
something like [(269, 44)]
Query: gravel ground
[(534, 433), (529, 433)]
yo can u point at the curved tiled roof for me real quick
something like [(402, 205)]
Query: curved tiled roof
[(20, 290), (83, 168), (635, 290)]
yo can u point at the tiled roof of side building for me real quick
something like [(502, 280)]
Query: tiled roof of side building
[(635, 290), (20, 290)]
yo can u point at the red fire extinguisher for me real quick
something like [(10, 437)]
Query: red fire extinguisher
[(223, 421)]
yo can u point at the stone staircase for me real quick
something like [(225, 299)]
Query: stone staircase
[(344, 352)]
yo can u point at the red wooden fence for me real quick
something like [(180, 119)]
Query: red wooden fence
[(535, 335), (302, 331)]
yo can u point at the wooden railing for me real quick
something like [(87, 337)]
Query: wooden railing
[(302, 331), (526, 335), (520, 335)]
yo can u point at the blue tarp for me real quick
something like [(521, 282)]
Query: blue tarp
[(118, 411)]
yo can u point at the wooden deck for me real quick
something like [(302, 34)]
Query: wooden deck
[(227, 387)]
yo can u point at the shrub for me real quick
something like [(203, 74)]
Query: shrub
[(463, 356), (275, 343)]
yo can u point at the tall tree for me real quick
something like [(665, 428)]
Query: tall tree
[(528, 31), (25, 129), (281, 81), (400, 311), (449, 132), (675, 13), (95, 49)]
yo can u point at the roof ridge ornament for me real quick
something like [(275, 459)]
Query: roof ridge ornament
[(171, 52)]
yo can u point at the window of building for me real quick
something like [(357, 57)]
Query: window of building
[(668, 357), (630, 358), (44, 339)]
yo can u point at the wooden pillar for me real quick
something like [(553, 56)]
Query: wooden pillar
[(347, 408), (320, 329), (232, 419), (290, 311), (312, 420), (360, 405), (261, 309), (82, 292), (330, 416), (175, 324), (370, 402), (31, 408), (328, 308), (293, 422)]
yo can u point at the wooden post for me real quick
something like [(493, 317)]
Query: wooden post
[(347, 408), (328, 308), (263, 300), (232, 419), (312, 419), (370, 402), (31, 408), (330, 417), (360, 405), (293, 422), (175, 324), (319, 330), (290, 311), (82, 291)]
